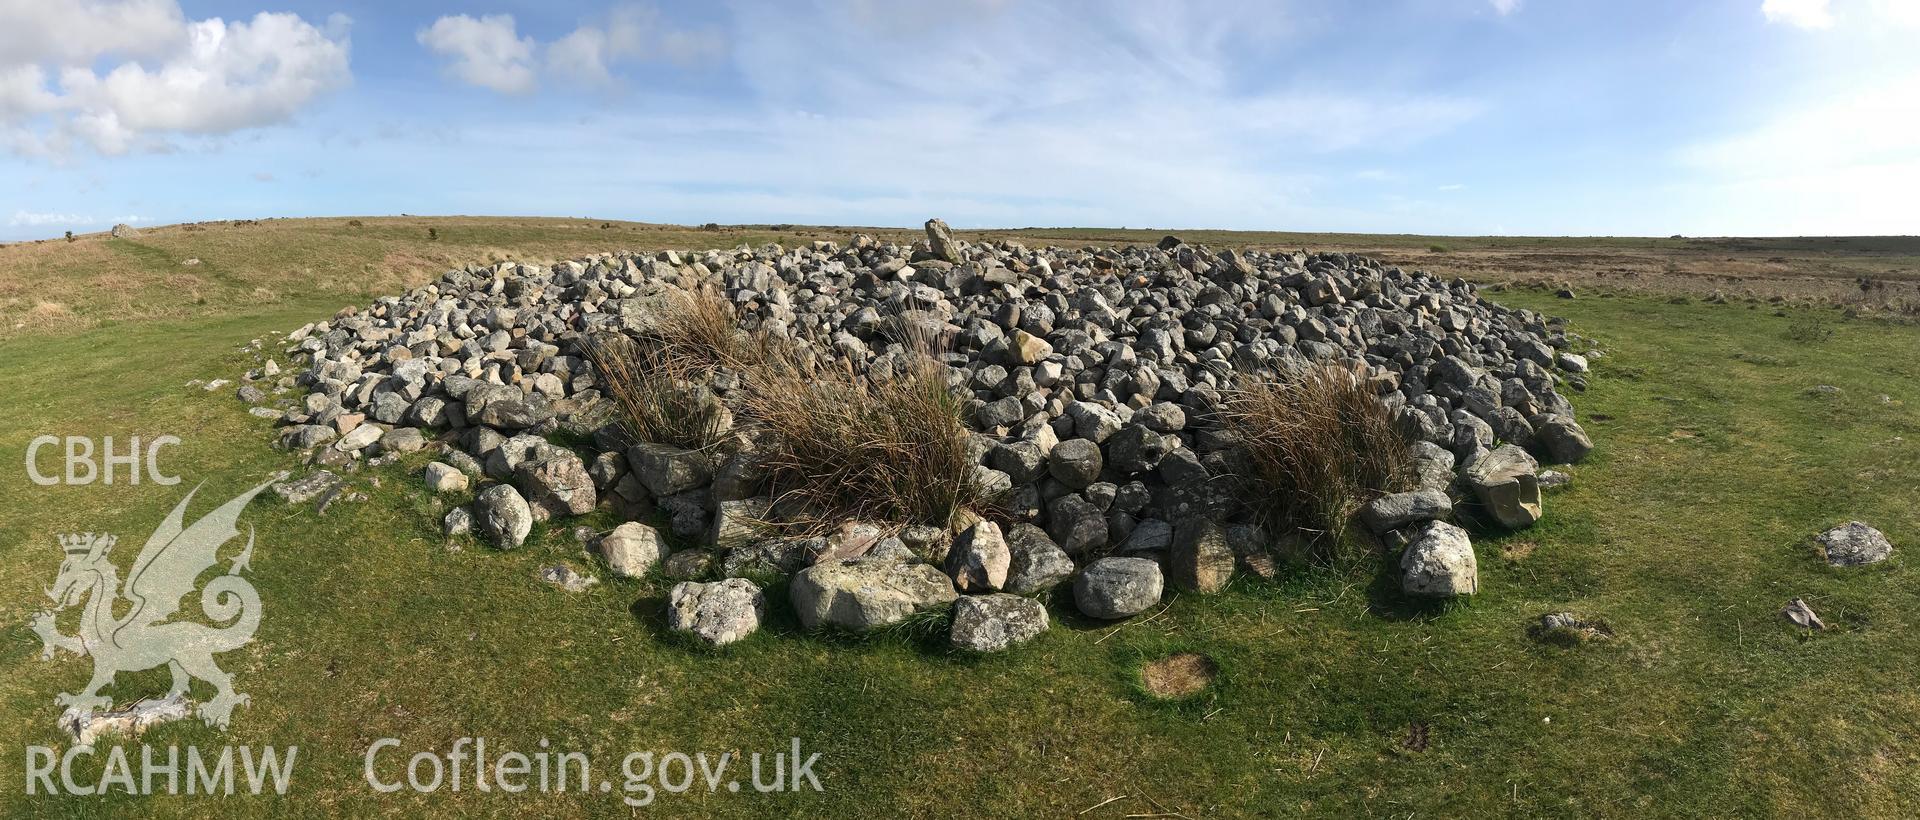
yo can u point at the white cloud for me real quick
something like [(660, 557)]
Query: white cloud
[(1806, 14), (486, 52), (1808, 176), (1004, 113), (1453, 186), (1505, 7), (35, 219), (232, 76), (76, 31), (489, 52), (1880, 121), (199, 78), (631, 32), (23, 92), (1905, 13)]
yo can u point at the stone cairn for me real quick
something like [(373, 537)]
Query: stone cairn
[(1087, 374)]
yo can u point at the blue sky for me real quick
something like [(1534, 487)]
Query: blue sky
[(1706, 117)]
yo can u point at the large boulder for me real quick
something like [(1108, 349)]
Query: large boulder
[(980, 559), (1037, 563), (668, 470), (1854, 544), (514, 412), (861, 595), (992, 623), (632, 550), (719, 613), (1201, 560), (1507, 484), (1561, 439), (1113, 588), (502, 516), (557, 486), (1439, 563), (1395, 510)]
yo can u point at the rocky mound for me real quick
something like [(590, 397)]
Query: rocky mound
[(1089, 376)]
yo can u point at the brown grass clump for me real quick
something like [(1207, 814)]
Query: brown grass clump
[(697, 330), (1314, 447), (658, 403), (837, 445), (1179, 675), (659, 380), (846, 446)]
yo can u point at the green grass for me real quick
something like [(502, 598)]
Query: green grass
[(1686, 532), (58, 285)]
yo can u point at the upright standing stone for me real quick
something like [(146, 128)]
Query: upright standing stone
[(1201, 559), (940, 241), (503, 516)]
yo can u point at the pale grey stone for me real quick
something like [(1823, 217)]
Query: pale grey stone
[(1855, 544), (632, 550), (863, 595), (996, 622), (718, 613), (1113, 588), (1439, 563)]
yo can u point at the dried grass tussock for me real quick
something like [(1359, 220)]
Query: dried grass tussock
[(1314, 447), (838, 445)]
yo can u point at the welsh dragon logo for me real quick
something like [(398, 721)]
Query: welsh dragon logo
[(166, 570)]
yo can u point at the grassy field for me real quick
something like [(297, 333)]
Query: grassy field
[(1686, 532), (56, 285)]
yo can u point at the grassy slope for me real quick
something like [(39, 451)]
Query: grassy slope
[(1686, 532)]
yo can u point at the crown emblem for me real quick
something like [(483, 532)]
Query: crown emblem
[(87, 543)]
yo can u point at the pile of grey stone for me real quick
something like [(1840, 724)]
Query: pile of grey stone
[(1089, 377)]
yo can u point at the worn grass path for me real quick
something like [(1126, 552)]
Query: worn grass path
[(1686, 532)]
